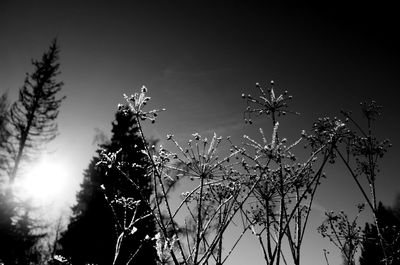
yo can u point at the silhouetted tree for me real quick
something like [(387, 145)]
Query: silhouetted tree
[(95, 226), (4, 135), (24, 128), (15, 238), (371, 253), (18, 233), (32, 117)]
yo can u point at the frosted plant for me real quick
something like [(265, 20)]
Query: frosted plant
[(345, 234), (125, 213), (215, 199), (164, 246), (201, 160), (267, 103), (137, 102), (280, 204), (260, 183), (360, 153), (210, 206)]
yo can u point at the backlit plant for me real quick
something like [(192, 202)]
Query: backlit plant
[(345, 234), (261, 184)]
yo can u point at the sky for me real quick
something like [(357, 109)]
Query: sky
[(197, 58)]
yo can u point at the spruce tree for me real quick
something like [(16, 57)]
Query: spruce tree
[(4, 140), (24, 129), (95, 226), (32, 117)]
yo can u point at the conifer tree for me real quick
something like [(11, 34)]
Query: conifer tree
[(95, 226), (32, 117), (4, 139), (24, 128)]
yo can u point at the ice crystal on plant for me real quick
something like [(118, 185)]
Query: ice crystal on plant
[(200, 157), (128, 203), (267, 103), (109, 158), (275, 150), (345, 234), (136, 104), (164, 247)]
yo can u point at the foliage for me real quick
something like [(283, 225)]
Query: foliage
[(103, 217)]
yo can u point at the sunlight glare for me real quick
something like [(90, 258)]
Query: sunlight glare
[(44, 183)]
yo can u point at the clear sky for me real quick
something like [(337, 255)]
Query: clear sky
[(196, 58)]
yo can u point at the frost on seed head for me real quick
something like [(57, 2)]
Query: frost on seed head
[(136, 103)]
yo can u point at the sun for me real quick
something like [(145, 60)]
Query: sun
[(44, 182)]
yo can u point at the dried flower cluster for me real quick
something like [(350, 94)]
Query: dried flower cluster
[(259, 182), (136, 104), (346, 235), (267, 103)]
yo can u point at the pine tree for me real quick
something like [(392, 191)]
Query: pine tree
[(17, 234), (95, 226), (32, 116), (24, 128), (4, 139)]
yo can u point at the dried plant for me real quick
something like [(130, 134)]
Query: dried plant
[(261, 183), (346, 235), (280, 204), (360, 151)]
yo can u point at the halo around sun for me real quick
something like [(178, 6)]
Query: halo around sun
[(43, 182)]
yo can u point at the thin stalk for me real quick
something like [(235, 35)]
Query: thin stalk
[(356, 180), (269, 247), (373, 193), (222, 230), (282, 209), (298, 231), (161, 223), (220, 240), (199, 224), (187, 238), (191, 193), (157, 174), (134, 254), (326, 258)]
